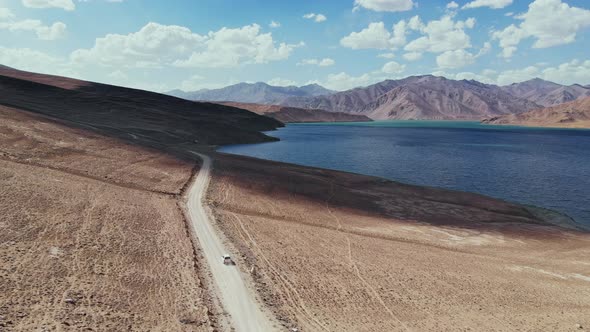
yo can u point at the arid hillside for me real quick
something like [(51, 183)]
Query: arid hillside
[(130, 113), (260, 93), (420, 98), (547, 93), (575, 114), (287, 114), (333, 251), (91, 233)]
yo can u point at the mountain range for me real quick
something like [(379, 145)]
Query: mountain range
[(547, 93), (260, 93), (423, 97), (573, 114), (288, 114)]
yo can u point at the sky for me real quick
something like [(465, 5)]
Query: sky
[(341, 44)]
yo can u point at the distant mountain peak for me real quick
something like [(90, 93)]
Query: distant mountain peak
[(258, 92)]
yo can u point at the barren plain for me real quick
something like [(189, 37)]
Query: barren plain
[(334, 251), (93, 236), (91, 233)]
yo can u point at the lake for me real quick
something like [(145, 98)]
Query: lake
[(539, 166)]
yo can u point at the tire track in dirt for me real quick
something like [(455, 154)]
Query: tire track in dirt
[(287, 285), (370, 289), (88, 176)]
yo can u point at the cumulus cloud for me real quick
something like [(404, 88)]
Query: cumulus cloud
[(412, 56), (393, 67), (455, 59), (277, 81), (157, 45), (376, 36), (571, 72), (549, 22), (460, 58), (386, 55), (31, 60), (440, 35), (344, 81), (452, 5), (384, 5), (5, 13), (318, 18), (274, 24), (52, 32), (317, 62), (494, 4), (63, 4)]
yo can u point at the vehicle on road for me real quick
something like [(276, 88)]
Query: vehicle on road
[(227, 260)]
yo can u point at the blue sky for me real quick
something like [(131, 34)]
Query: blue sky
[(164, 45)]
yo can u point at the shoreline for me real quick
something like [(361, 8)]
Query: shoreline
[(416, 124), (548, 216)]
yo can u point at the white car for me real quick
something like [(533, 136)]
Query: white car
[(226, 259)]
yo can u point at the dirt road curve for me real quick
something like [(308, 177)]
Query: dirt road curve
[(237, 299)]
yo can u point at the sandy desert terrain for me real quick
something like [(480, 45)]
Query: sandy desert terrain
[(330, 256), (91, 234)]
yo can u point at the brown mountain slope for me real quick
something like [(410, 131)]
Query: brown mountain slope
[(547, 93), (422, 97), (575, 114), (347, 101), (287, 114), (131, 113)]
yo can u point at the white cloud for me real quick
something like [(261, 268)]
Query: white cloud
[(30, 60), (393, 67), (483, 78), (193, 83), (455, 59), (494, 4), (415, 23), (274, 24), (386, 55), (550, 22), (277, 81), (63, 4), (55, 31), (344, 81), (376, 36), (460, 58), (412, 56), (398, 37), (318, 18), (452, 5), (440, 35), (384, 5), (5, 13), (517, 75), (317, 62), (574, 71), (157, 45)]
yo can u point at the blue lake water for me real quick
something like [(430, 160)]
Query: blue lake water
[(543, 167)]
